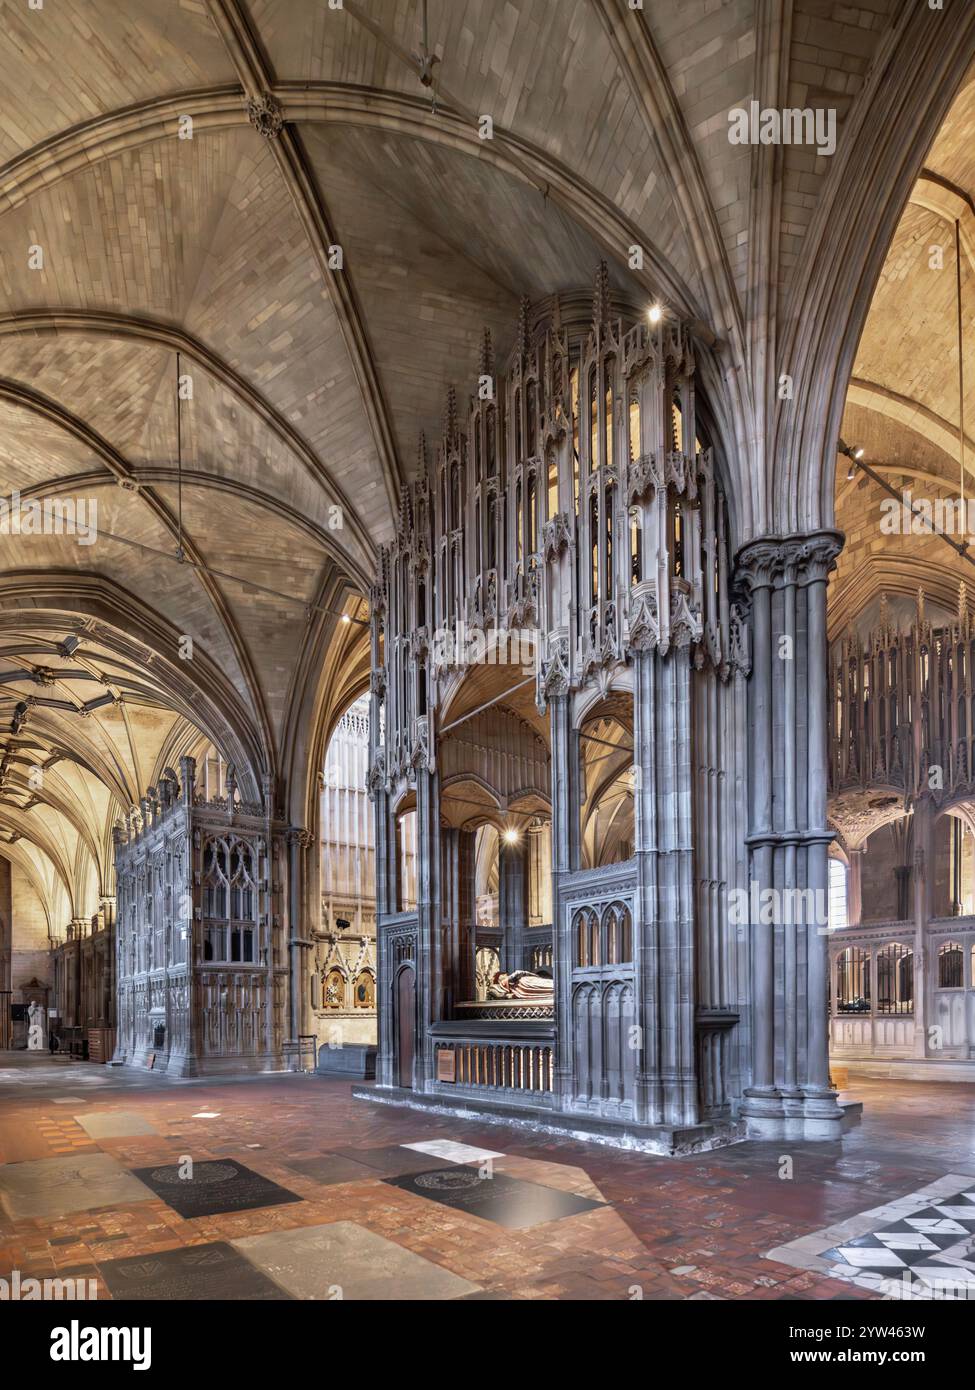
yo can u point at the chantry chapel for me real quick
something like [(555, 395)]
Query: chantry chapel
[(486, 607)]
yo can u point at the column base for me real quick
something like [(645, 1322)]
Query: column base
[(763, 1113)]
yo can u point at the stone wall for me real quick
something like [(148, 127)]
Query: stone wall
[(30, 956)]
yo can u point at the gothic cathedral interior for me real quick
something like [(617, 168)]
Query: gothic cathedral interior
[(487, 652)]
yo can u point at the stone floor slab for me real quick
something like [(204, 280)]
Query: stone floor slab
[(330, 1169), (194, 1273), (394, 1160), (509, 1202), (50, 1187), (453, 1152), (213, 1187), (348, 1261), (114, 1124)]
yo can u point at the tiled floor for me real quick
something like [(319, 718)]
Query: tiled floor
[(919, 1246), (388, 1203)]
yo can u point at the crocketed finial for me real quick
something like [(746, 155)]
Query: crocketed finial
[(600, 297), (450, 415), (486, 364), (524, 311)]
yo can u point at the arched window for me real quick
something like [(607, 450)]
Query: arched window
[(610, 521), (518, 442), (853, 981), (230, 900), (532, 417), (587, 938), (574, 394), (593, 420), (594, 544), (492, 533), (552, 470), (492, 431), (837, 909), (951, 966), (610, 372), (618, 934), (634, 429)]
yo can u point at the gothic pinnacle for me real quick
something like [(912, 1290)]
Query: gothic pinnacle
[(524, 311), (486, 363), (600, 298)]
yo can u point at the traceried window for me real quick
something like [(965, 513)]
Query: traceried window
[(574, 392), (593, 420), (619, 934), (230, 901), (837, 894), (587, 938), (951, 966), (610, 370)]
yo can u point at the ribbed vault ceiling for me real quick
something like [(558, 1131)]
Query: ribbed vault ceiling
[(309, 385)]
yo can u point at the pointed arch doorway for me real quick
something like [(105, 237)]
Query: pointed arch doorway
[(404, 1004)]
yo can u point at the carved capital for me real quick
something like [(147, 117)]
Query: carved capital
[(800, 559)]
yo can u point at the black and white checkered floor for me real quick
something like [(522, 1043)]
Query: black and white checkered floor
[(919, 1246)]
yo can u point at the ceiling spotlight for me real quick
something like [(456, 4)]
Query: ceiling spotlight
[(655, 314), (858, 454), (511, 835), (851, 472), (346, 618)]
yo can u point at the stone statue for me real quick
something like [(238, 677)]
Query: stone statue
[(522, 984), (35, 1031)]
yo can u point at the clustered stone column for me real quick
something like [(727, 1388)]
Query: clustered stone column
[(788, 838), (664, 917), (565, 855)]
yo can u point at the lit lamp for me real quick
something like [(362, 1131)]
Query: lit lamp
[(854, 454)]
